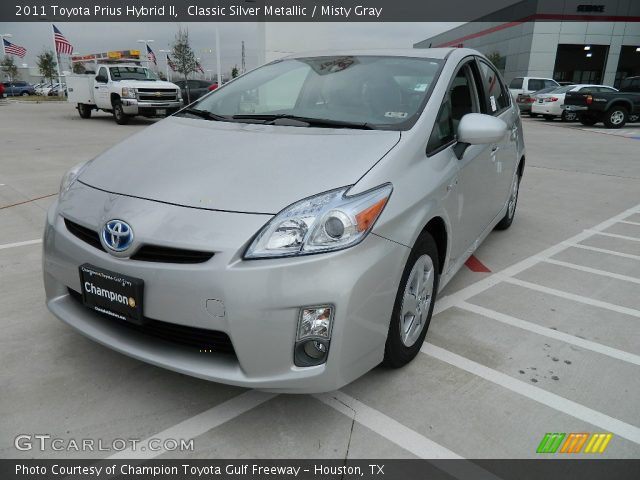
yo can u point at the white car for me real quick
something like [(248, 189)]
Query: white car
[(526, 85), (549, 105)]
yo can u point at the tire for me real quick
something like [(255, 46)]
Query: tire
[(84, 110), (549, 118), (633, 118), (25, 94), (512, 203), (120, 117), (569, 116), (616, 117), (421, 273)]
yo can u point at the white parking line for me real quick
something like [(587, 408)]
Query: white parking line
[(572, 296), (199, 424), (550, 333), (595, 271), (615, 235), (386, 426), (20, 244), (537, 394), (603, 250), (628, 222)]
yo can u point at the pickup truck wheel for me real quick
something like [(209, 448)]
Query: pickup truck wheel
[(414, 303), (616, 117), (84, 110), (588, 121), (119, 115)]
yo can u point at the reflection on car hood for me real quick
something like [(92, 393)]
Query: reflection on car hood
[(236, 166)]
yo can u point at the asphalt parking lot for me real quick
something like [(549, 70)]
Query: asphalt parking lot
[(547, 341)]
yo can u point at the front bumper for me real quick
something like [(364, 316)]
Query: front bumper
[(132, 106), (257, 302)]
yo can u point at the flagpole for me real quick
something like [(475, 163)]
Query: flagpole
[(55, 49)]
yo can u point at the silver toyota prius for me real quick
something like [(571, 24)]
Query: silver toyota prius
[(290, 230)]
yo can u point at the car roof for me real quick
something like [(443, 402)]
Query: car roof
[(435, 53)]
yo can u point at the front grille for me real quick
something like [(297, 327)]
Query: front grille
[(157, 95), (146, 253), (198, 338)]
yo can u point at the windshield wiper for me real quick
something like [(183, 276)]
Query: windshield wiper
[(269, 119), (205, 114)]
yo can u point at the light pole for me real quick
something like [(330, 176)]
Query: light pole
[(2, 37), (146, 51), (218, 56), (210, 72), (166, 59)]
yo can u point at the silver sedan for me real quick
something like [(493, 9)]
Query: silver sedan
[(290, 230)]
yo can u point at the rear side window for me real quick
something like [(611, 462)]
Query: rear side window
[(495, 92), (535, 84), (516, 83)]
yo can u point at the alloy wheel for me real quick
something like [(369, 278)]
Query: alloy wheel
[(416, 300)]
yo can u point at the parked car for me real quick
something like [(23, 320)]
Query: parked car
[(525, 85), (613, 108), (551, 105), (56, 90), (197, 88), (525, 100), (45, 88), (297, 246), (18, 88)]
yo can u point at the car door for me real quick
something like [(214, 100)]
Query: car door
[(503, 154), (469, 211), (101, 90)]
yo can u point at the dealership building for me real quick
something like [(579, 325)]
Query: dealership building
[(573, 41)]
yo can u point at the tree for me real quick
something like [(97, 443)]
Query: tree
[(9, 66), (47, 65), (234, 72), (183, 57), (79, 68), (497, 59)]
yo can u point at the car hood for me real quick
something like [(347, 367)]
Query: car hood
[(236, 166)]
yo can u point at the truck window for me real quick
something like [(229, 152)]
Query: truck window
[(516, 83), (103, 72), (536, 84)]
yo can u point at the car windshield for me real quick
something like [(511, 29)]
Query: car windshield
[(378, 92), (131, 73)]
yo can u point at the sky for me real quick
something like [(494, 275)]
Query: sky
[(100, 37)]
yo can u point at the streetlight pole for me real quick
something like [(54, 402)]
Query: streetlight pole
[(146, 51)]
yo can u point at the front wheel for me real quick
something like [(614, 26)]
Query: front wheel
[(414, 303), (25, 94), (616, 117), (119, 115), (507, 220)]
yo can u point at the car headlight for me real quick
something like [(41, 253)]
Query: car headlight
[(128, 92), (322, 223), (70, 177)]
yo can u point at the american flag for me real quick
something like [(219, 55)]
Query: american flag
[(13, 49), (62, 44), (151, 56), (199, 67), (172, 65)]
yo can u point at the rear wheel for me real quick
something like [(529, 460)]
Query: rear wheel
[(414, 303), (84, 110), (119, 115), (568, 116), (616, 117)]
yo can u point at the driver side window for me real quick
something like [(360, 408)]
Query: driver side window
[(103, 73), (459, 100)]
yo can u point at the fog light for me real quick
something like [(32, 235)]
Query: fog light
[(313, 336), (315, 322)]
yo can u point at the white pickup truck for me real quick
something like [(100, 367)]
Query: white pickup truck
[(126, 90)]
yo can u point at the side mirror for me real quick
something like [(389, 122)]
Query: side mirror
[(479, 129), (101, 79)]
